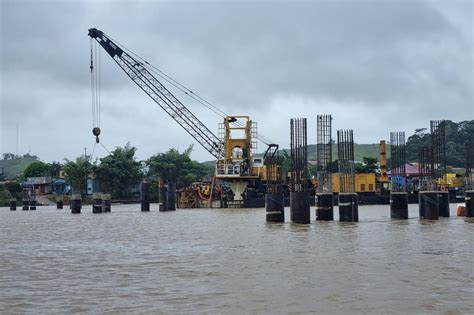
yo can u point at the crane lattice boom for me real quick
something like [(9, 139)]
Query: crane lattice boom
[(139, 74)]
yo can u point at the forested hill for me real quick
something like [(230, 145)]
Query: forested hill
[(456, 136), (12, 165)]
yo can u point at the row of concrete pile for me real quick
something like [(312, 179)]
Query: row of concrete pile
[(102, 202), (432, 205), (27, 204)]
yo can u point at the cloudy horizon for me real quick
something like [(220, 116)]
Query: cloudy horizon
[(376, 66)]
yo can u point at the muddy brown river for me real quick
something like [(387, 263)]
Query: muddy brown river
[(229, 261)]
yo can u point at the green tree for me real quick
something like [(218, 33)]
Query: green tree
[(9, 156), (456, 135), (54, 169), (14, 188), (333, 167), (4, 196), (173, 166), (37, 169), (77, 171), (119, 171), (419, 139), (369, 165)]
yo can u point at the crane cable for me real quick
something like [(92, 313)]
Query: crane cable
[(91, 156), (188, 91), (95, 89), (95, 94)]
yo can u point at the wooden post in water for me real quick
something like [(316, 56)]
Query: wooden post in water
[(106, 202), (59, 202), (163, 191), (145, 196), (76, 203), (26, 203), (171, 196), (12, 204), (97, 203)]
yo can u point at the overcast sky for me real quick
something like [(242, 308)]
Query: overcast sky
[(376, 66)]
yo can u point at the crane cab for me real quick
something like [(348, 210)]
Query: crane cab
[(238, 166)]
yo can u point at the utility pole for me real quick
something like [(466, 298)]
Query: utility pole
[(17, 138), (85, 157)]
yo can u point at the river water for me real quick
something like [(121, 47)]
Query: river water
[(229, 261)]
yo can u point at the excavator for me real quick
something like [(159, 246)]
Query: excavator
[(233, 149)]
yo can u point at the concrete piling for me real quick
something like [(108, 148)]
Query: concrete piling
[(106, 202), (163, 194), (26, 203), (12, 204), (399, 205), (348, 207), (76, 203), (469, 199), (59, 202), (299, 193), (398, 194), (33, 203), (97, 203), (324, 207), (274, 207), (443, 204), (171, 196), (428, 205), (145, 196), (299, 207)]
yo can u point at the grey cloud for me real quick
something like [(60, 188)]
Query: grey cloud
[(406, 56)]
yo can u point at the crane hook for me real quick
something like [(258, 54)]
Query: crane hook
[(96, 133)]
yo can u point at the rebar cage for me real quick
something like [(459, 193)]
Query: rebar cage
[(299, 155), (323, 152), (397, 161), (469, 148), (272, 164), (345, 153), (438, 161)]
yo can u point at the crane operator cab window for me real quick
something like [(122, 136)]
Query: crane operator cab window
[(237, 152)]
